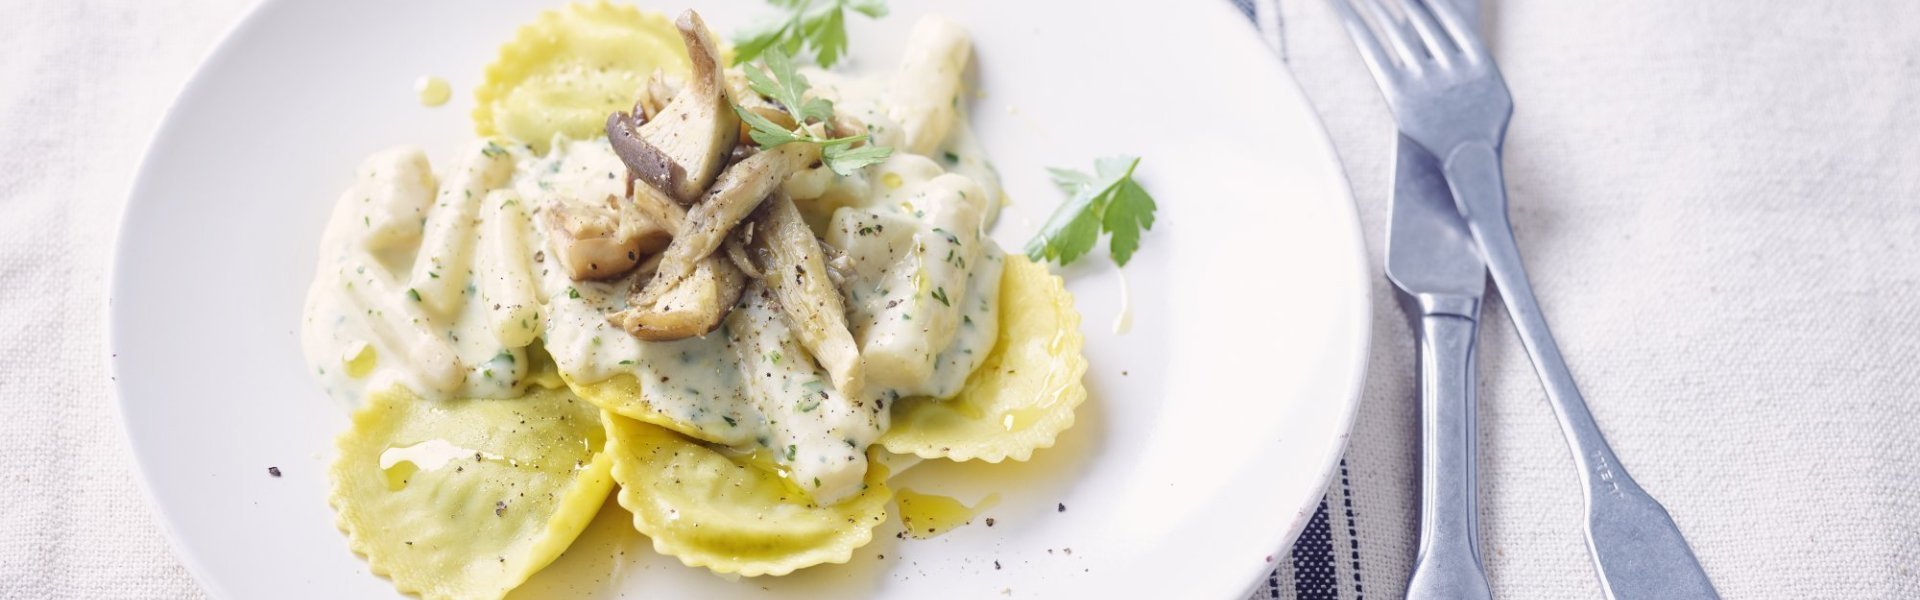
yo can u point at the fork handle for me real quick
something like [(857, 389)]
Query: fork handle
[(1635, 545), (1448, 566), (1479, 190)]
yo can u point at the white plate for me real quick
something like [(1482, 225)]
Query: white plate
[(1212, 425)]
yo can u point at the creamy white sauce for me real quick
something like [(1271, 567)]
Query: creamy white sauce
[(862, 98), (1123, 322), (360, 307), (750, 385), (964, 155), (923, 297), (919, 273), (978, 331), (814, 430)]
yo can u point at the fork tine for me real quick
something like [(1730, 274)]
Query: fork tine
[(1371, 53), (1397, 38), (1457, 28), (1438, 45)]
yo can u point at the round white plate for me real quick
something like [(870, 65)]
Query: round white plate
[(1207, 441)]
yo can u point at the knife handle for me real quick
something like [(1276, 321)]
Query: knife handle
[(1636, 547), (1448, 565)]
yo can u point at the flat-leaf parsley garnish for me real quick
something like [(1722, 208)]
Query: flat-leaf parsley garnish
[(785, 85), (1109, 201), (820, 25)]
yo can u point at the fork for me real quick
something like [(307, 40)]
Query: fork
[(1447, 95)]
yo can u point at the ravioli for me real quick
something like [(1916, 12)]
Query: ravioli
[(468, 498), (570, 68), (712, 511), (621, 396), (1022, 396)]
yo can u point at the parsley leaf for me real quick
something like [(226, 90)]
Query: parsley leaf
[(1109, 201), (783, 83), (845, 159), (765, 132), (871, 8), (1129, 211), (826, 27), (819, 25), (1070, 181)]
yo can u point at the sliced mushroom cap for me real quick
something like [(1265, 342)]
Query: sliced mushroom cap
[(674, 302), (690, 307), (683, 147), (795, 269), (839, 267), (737, 251), (659, 208), (738, 191), (601, 241), (660, 89)]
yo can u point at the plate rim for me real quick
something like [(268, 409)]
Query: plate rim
[(143, 172), (1358, 364), (1361, 363)]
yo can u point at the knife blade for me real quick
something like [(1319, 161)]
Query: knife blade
[(1429, 250)]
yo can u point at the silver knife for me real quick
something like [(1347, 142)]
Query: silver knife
[(1432, 258)]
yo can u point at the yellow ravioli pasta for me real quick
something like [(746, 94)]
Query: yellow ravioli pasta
[(468, 498), (1025, 392), (541, 372), (621, 395), (710, 511), (570, 68)]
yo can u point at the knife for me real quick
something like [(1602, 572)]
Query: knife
[(1432, 259)]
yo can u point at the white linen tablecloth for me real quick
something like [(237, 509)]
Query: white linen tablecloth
[(1719, 202)]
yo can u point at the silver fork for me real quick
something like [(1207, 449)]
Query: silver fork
[(1447, 95)]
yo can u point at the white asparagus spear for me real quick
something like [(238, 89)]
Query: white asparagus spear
[(390, 196), (401, 323), (925, 93), (506, 276), (908, 280), (442, 269)]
